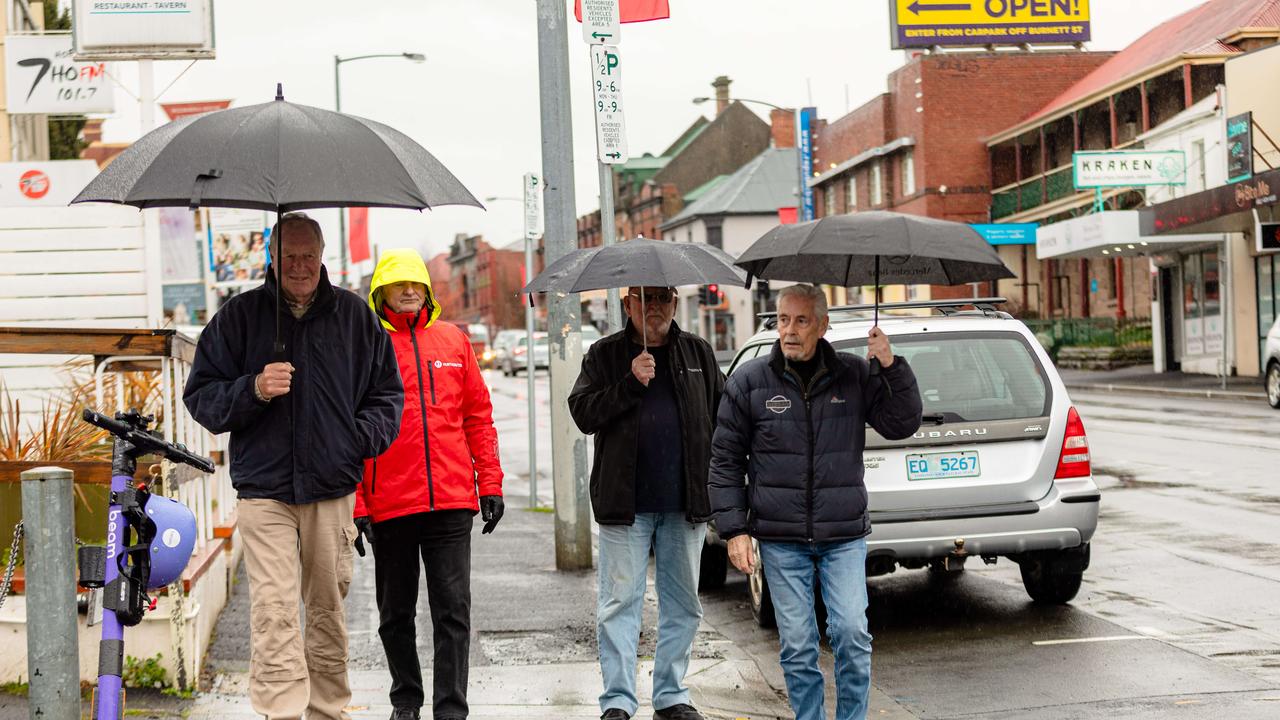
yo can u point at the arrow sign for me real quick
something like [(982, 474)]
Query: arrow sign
[(601, 22), (606, 84), (918, 7)]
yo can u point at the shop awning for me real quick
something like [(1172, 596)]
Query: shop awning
[(1107, 234), (1226, 208)]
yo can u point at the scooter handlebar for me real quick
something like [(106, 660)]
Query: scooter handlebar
[(145, 441)]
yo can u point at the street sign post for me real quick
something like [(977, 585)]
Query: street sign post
[(601, 22), (606, 83), (532, 206)]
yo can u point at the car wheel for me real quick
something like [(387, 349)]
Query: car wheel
[(1273, 384), (761, 600), (1054, 577), (714, 567)]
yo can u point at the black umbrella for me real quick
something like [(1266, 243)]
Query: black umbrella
[(874, 248), (637, 262), (276, 156)]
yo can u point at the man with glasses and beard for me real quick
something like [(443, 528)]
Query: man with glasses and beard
[(649, 394)]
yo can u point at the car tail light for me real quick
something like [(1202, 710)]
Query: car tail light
[(518, 351), (1073, 461)]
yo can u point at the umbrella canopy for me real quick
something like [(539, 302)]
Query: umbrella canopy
[(276, 156), (880, 248), (637, 262)]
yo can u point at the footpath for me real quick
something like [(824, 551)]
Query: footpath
[(533, 652), (1141, 379)]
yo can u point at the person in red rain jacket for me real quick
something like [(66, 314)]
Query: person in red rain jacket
[(420, 496)]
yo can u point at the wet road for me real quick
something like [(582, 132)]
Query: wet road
[(1179, 615)]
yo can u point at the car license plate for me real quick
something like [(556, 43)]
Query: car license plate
[(932, 466)]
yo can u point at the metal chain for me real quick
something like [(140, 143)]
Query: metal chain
[(13, 563)]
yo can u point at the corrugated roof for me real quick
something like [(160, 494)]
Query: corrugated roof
[(763, 185), (704, 188), (1196, 32)]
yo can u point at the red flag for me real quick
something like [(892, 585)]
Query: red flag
[(183, 109), (787, 216), (358, 233), (634, 10)]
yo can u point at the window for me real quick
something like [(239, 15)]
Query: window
[(877, 192), (1197, 170), (908, 174), (851, 195), (1201, 305), (829, 200), (972, 376)]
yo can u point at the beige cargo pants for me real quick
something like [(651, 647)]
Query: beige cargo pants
[(298, 553)]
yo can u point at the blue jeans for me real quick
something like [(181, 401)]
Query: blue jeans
[(841, 568), (624, 564)]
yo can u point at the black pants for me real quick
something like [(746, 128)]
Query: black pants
[(443, 538)]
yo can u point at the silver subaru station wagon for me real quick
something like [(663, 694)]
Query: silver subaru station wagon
[(999, 468)]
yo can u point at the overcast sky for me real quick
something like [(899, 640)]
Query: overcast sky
[(474, 102)]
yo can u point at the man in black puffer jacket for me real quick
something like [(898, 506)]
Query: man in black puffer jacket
[(794, 426)]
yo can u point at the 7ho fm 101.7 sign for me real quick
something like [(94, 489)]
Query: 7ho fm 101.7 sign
[(933, 23)]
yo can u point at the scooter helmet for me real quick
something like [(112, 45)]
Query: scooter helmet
[(174, 539)]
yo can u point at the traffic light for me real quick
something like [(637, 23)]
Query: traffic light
[(709, 295)]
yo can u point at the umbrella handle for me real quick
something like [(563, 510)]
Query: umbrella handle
[(875, 367)]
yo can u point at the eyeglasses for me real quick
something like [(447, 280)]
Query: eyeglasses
[(662, 297)]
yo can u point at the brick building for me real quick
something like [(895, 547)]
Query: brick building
[(920, 147), (1155, 82), (649, 190), (479, 283)]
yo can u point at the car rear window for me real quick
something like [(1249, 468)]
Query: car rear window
[(968, 377)]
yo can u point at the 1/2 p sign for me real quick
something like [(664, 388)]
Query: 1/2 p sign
[(606, 84)]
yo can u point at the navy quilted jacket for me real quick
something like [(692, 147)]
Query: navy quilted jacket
[(800, 449)]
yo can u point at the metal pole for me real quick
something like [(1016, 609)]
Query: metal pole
[(1224, 296), (150, 218), (533, 406), (564, 318), (53, 654), (608, 228), (342, 212)]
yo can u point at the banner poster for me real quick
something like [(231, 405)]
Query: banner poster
[(237, 246)]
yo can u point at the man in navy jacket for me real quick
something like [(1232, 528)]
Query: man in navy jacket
[(301, 426), (794, 424)]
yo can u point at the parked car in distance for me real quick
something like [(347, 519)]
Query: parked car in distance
[(503, 342), (517, 360), (1272, 365), (1000, 467)]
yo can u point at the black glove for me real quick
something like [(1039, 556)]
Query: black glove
[(364, 529), (491, 509)]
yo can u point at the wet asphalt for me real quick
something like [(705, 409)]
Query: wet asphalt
[(1179, 615)]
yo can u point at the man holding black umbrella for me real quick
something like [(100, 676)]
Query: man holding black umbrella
[(301, 426), (794, 424), (648, 394)]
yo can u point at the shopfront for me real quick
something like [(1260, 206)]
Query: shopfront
[(1251, 300), (1177, 276)]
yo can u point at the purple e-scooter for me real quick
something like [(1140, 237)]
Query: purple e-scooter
[(149, 541)]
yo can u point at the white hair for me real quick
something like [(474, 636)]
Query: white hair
[(811, 293)]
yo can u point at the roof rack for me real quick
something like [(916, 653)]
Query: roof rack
[(986, 305)]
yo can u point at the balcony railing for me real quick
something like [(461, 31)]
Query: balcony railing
[(1032, 193)]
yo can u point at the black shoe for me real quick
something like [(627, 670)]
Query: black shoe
[(404, 713), (678, 712), (615, 714)]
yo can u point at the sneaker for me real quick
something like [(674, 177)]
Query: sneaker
[(615, 714), (678, 712), (404, 713)]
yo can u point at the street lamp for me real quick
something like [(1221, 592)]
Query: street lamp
[(337, 104), (528, 356)]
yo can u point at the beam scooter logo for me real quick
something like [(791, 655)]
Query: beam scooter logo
[(150, 539)]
